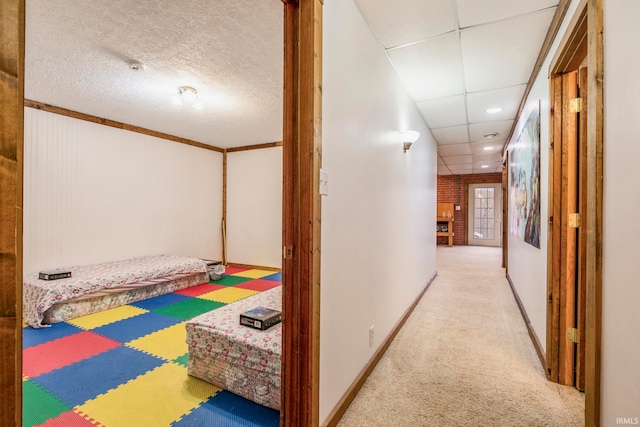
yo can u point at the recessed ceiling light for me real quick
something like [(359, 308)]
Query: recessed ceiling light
[(490, 135), (487, 148), (484, 166), (494, 110)]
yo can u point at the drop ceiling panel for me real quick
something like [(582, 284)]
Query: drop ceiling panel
[(503, 53), (486, 170), (508, 99), (460, 169), (479, 147), (456, 160), (454, 150), (452, 135), (440, 162), (77, 52), (478, 130), (443, 170), (430, 69), (444, 112), (484, 158), (397, 23), (474, 12)]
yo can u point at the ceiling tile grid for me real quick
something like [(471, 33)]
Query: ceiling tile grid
[(414, 20), (431, 68), (455, 73)]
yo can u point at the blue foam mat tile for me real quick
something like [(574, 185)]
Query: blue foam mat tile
[(84, 380), (160, 301), (277, 277), (135, 327), (226, 409), (31, 336)]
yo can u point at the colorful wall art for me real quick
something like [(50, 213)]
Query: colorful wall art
[(524, 181)]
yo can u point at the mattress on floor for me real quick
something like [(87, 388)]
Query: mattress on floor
[(40, 295), (237, 358), (75, 308)]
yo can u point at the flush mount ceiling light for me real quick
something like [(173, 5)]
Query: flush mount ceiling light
[(494, 110), (408, 138), (188, 96), (484, 166), (488, 148), (490, 135)]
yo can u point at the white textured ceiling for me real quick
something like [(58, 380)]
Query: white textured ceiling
[(458, 58), (229, 50)]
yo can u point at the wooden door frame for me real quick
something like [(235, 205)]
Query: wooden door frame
[(302, 152), (11, 163), (301, 210), (584, 35)]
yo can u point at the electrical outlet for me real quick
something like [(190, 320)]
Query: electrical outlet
[(371, 336)]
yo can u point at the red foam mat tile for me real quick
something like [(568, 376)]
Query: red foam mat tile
[(258, 285), (195, 291), (55, 354), (70, 419)]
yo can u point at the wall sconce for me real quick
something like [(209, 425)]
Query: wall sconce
[(408, 138)]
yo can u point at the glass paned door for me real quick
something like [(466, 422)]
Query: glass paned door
[(485, 214)]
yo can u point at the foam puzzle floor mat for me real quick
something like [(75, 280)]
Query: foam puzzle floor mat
[(128, 366)]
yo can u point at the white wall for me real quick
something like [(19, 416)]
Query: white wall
[(254, 207), (94, 193), (621, 266), (528, 264), (378, 225)]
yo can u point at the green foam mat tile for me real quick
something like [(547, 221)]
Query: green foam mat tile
[(230, 280), (188, 309), (182, 360), (39, 405)]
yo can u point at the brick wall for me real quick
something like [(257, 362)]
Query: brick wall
[(450, 187)]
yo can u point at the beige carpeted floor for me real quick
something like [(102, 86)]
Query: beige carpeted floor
[(464, 358)]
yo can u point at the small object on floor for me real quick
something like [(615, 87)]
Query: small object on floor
[(215, 269)]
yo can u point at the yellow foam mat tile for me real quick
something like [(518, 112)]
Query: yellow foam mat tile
[(168, 343), (157, 398), (95, 320), (254, 273), (228, 295)]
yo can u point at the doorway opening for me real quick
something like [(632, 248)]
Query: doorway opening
[(484, 226)]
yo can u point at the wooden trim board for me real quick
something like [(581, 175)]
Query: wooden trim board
[(532, 333), (254, 147), (595, 197), (12, 31), (224, 207), (256, 267), (342, 406), (112, 123)]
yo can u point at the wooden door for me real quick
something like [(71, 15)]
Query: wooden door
[(567, 243)]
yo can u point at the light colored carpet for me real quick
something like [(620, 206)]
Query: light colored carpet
[(464, 358)]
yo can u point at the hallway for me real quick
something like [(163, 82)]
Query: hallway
[(464, 358)]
